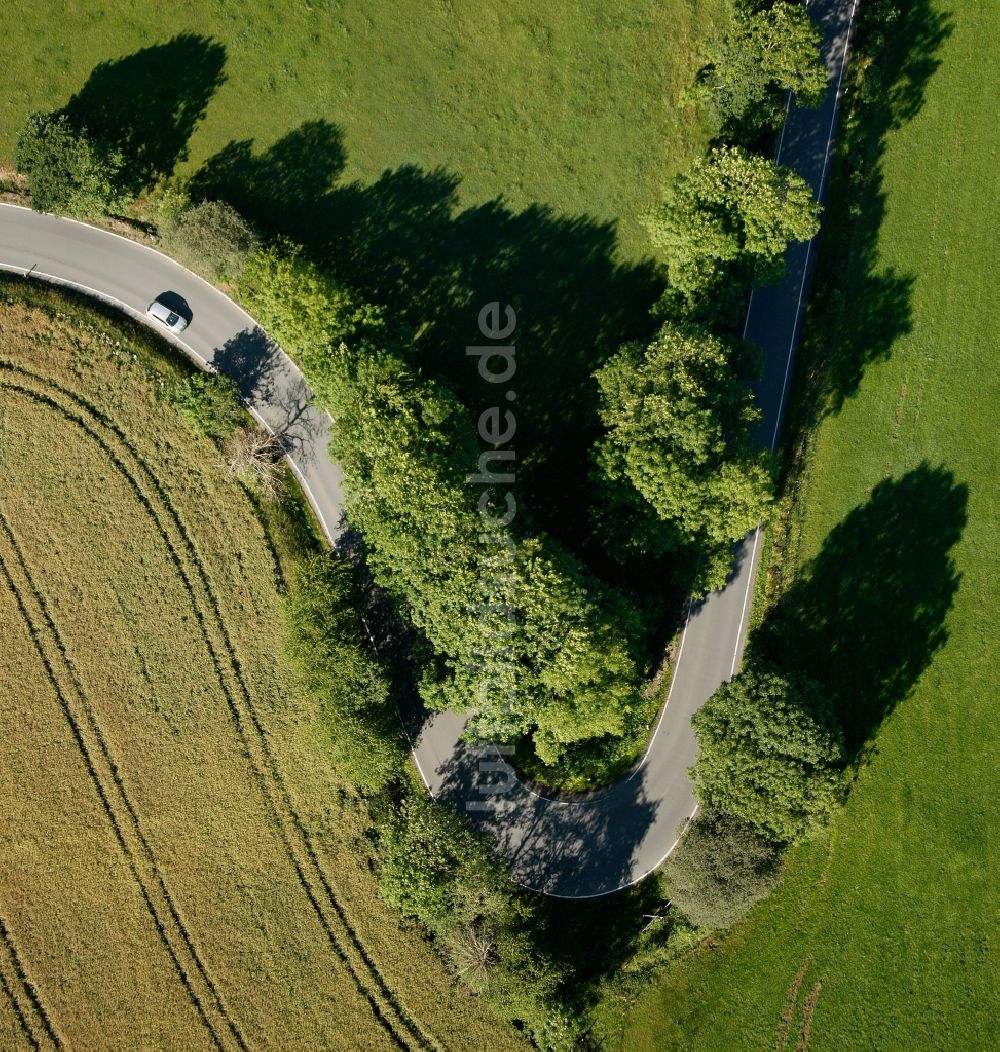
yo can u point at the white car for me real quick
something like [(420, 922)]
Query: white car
[(168, 318)]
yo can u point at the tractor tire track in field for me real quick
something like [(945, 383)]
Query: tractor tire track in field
[(333, 918), (28, 1006), (109, 784)]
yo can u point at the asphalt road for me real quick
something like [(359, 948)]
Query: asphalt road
[(578, 847), (222, 335), (598, 844)]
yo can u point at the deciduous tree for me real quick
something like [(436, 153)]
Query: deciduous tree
[(678, 414), (721, 868), (764, 53), (68, 172), (522, 635), (725, 224), (769, 752)]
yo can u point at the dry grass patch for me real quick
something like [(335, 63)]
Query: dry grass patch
[(187, 821)]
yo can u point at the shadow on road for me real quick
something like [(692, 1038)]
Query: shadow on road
[(863, 307), (149, 104), (405, 241), (868, 613), (255, 364), (577, 849)]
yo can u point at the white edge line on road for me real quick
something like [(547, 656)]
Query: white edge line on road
[(798, 315), (746, 600), (105, 297), (759, 529), (180, 266), (599, 795), (623, 887), (819, 198)]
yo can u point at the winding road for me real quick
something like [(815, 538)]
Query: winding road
[(575, 848)]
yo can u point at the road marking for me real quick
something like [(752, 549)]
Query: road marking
[(180, 266), (140, 316), (740, 633)]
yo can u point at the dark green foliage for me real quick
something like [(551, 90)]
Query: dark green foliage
[(408, 447), (437, 870), (69, 172), (211, 237), (763, 54), (721, 868), (208, 403), (724, 225), (678, 414), (769, 752), (334, 664)]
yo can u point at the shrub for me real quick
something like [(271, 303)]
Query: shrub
[(211, 237), (67, 171), (436, 869), (208, 403), (720, 869), (332, 661), (254, 456)]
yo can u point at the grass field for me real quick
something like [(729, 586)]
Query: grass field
[(884, 935), (434, 156), (571, 106), (181, 866)]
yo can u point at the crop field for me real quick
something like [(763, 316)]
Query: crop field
[(181, 867), (570, 106), (883, 935)]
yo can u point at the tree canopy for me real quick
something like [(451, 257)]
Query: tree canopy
[(725, 224), (523, 636), (721, 868), (69, 172), (769, 752), (678, 414), (764, 53)]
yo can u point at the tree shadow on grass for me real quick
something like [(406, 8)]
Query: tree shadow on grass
[(149, 104), (863, 307), (868, 613), (406, 242)]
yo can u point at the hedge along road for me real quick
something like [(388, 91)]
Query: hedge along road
[(575, 847)]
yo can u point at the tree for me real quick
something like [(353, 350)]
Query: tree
[(721, 868), (763, 54), (725, 224), (212, 237), (254, 455), (208, 403), (522, 635), (678, 414), (327, 650), (769, 752), (67, 171)]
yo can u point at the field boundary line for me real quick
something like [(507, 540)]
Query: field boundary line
[(29, 1008), (249, 728), (109, 784)]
